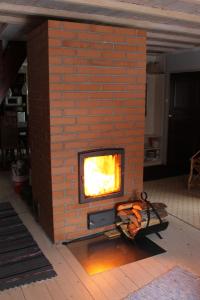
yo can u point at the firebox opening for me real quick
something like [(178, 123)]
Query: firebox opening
[(101, 174)]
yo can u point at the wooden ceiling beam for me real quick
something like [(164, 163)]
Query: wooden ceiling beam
[(192, 1), (171, 37), (14, 19), (168, 44), (138, 9), (62, 14), (160, 49)]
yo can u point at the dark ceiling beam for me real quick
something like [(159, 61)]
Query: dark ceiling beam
[(12, 59), (1, 61), (3, 27)]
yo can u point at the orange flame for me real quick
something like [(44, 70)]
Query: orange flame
[(102, 175)]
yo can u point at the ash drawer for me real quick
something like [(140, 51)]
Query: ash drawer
[(102, 218)]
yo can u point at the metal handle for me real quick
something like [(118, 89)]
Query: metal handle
[(170, 115), (144, 196)]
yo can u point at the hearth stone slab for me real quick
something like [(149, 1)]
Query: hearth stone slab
[(99, 254)]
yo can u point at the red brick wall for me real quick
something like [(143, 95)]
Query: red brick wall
[(96, 100), (39, 123), (97, 90)]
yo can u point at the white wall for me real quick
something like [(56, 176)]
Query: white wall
[(150, 105), (155, 104)]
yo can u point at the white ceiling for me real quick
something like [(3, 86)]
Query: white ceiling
[(171, 25)]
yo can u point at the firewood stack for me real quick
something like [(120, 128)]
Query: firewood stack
[(137, 215)]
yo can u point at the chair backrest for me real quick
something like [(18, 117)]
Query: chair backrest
[(196, 155)]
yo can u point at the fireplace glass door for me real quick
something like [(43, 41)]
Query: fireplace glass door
[(101, 174)]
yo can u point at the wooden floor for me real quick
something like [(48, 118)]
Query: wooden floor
[(181, 241), (181, 202)]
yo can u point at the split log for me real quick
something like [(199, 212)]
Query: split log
[(128, 205), (139, 204), (126, 215), (134, 215)]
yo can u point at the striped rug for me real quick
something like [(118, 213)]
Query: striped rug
[(21, 260)]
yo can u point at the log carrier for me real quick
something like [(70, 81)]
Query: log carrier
[(141, 217)]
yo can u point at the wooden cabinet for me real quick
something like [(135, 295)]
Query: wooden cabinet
[(152, 150)]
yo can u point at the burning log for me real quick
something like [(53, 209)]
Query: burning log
[(137, 215)]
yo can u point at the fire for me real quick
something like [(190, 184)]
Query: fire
[(102, 175)]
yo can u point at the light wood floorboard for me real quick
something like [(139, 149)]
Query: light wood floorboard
[(181, 241), (181, 202), (16, 294), (88, 281)]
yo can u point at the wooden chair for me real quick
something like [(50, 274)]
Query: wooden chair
[(194, 176)]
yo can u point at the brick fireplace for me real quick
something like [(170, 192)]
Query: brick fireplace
[(86, 92)]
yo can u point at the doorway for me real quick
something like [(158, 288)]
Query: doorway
[(183, 120), (183, 138)]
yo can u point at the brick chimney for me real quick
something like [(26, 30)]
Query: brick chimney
[(86, 91)]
